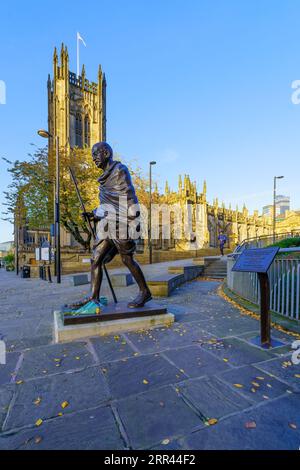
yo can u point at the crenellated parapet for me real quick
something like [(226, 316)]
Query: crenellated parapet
[(214, 218)]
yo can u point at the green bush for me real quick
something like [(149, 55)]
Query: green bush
[(288, 243), (9, 259)]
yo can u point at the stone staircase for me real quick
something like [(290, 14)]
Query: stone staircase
[(216, 268)]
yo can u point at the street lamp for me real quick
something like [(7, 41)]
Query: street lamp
[(150, 210), (47, 135), (274, 205)]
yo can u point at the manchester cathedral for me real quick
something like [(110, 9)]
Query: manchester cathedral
[(77, 116), (76, 106)]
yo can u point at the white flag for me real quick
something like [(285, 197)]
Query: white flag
[(80, 39)]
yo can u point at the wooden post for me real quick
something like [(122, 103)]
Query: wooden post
[(265, 321)]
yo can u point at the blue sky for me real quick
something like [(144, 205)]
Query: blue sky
[(203, 87)]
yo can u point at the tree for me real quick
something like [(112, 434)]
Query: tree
[(30, 196)]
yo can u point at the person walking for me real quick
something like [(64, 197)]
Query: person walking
[(222, 240)]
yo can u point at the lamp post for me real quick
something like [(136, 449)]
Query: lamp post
[(274, 205), (150, 210), (47, 135)]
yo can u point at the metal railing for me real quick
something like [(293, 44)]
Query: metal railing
[(284, 275), (265, 240)]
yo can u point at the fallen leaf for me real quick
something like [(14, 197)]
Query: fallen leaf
[(38, 439), (19, 382), (64, 404), (255, 384), (260, 378), (59, 414), (225, 360), (238, 385), (165, 442), (293, 425), (77, 357), (38, 422), (37, 401), (297, 376), (145, 382), (212, 421), (250, 425)]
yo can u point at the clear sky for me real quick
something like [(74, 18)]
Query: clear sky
[(203, 87)]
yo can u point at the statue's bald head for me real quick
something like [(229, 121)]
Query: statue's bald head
[(102, 153)]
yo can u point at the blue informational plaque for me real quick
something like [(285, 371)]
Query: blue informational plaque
[(255, 260)]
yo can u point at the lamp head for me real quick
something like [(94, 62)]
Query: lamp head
[(43, 133)]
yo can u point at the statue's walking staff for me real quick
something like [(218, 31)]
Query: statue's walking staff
[(92, 230)]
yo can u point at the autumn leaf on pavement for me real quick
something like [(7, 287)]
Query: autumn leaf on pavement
[(250, 425)]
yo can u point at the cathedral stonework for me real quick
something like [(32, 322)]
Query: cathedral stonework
[(76, 106), (77, 115)]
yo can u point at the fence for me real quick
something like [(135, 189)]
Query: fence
[(284, 275)]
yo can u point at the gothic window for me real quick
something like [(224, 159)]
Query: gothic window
[(87, 131), (78, 130)]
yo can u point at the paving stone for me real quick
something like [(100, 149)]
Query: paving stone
[(127, 378), (161, 339), (42, 398), (28, 343), (6, 395), (223, 327), (289, 373), (272, 431), (212, 398), (195, 361), (54, 359), (151, 417), (86, 430), (111, 348), (7, 370), (237, 352), (256, 385)]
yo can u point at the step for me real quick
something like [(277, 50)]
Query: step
[(163, 285), (189, 272)]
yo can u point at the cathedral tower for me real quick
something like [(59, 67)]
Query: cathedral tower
[(76, 106)]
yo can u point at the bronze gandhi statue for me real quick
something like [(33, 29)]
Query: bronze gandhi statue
[(115, 183)]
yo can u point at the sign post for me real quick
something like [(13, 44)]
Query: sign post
[(259, 260)]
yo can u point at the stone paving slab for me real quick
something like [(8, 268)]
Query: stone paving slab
[(54, 359), (161, 339), (285, 370), (254, 384), (195, 361), (140, 374), (212, 398), (7, 370), (273, 431), (112, 348), (151, 417), (86, 430), (237, 352), (43, 398), (27, 343), (6, 395), (223, 327)]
